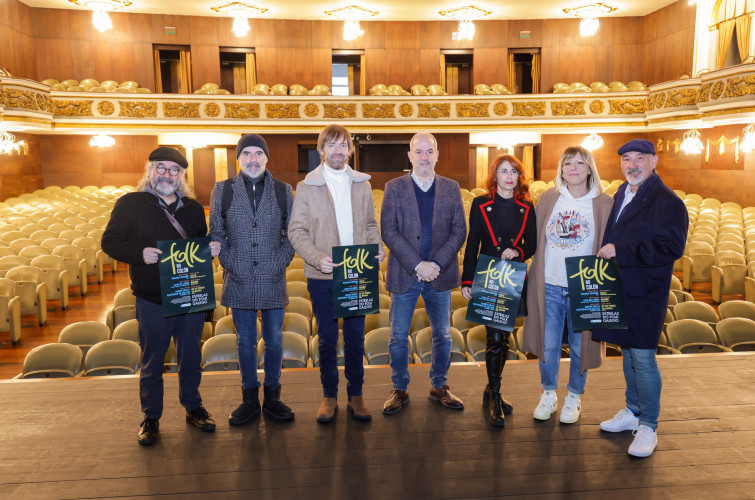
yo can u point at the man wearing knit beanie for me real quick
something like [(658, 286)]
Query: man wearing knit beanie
[(249, 217)]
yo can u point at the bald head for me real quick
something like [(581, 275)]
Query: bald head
[(423, 153)]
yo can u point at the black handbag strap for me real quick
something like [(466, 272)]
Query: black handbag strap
[(175, 223)]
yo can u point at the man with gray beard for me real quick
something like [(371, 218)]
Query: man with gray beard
[(161, 209)]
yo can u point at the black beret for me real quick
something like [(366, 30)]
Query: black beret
[(251, 140), (638, 145), (169, 154)]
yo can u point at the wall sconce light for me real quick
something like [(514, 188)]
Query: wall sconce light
[(100, 8), (240, 12), (589, 14), (8, 144), (692, 144), (592, 142), (465, 16), (102, 141), (351, 16), (748, 138)]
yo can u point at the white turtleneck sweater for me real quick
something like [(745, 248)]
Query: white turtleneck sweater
[(339, 185), (569, 232)]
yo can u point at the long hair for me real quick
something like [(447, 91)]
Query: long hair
[(593, 178), (145, 182), (522, 189), (332, 133)]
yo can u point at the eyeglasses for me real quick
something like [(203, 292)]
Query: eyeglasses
[(160, 169)]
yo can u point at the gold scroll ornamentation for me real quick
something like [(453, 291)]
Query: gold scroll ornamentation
[(472, 110), (211, 109), (682, 97), (500, 108), (529, 108), (242, 111), (716, 89), (20, 99), (704, 93), (626, 106), (568, 108), (282, 111), (740, 86), (597, 107), (311, 110), (105, 108), (340, 110), (67, 107), (138, 109), (181, 109), (430, 110), (406, 110), (660, 100), (378, 110)]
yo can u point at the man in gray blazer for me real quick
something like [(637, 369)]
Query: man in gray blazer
[(422, 224), (249, 217)]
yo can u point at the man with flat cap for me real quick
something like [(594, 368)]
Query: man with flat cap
[(249, 217), (646, 233), (161, 208)]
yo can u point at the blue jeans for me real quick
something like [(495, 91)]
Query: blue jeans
[(556, 313), (245, 321), (321, 294), (643, 384), (438, 308), (155, 333)]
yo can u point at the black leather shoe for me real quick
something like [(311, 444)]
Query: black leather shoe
[(148, 431), (505, 405), (274, 407), (248, 409), (199, 417)]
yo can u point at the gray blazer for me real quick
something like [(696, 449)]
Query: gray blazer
[(254, 251), (401, 230)]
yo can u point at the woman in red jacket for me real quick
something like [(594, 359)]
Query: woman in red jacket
[(501, 224)]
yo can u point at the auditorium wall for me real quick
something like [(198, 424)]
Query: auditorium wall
[(62, 43), (726, 174)]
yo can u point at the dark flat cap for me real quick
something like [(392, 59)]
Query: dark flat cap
[(251, 140), (169, 154), (638, 145)]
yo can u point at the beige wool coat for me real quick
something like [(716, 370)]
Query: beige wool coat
[(593, 352), (313, 230)]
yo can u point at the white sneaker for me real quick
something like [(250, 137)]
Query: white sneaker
[(622, 421), (645, 441), (547, 406), (571, 410)]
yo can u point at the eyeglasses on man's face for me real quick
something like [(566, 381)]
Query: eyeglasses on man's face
[(160, 169)]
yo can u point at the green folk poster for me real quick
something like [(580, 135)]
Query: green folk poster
[(355, 280), (496, 292), (596, 298), (186, 280)]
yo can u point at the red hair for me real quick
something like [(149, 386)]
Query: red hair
[(522, 189)]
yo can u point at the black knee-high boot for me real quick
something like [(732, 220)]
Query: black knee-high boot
[(498, 343), (494, 361)]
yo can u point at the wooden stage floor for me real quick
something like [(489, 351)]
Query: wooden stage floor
[(77, 439)]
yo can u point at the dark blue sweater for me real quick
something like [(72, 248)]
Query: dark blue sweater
[(425, 201)]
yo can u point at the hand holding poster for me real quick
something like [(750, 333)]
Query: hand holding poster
[(496, 292), (355, 280), (596, 298), (186, 280)]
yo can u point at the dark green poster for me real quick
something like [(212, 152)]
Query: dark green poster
[(596, 298), (355, 280), (496, 292), (186, 281)]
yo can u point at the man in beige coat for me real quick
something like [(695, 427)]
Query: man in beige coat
[(334, 207)]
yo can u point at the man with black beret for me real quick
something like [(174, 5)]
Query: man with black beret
[(161, 208), (646, 233), (249, 217)]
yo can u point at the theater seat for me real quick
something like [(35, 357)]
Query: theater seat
[(220, 353), (10, 310), (112, 357), (52, 361)]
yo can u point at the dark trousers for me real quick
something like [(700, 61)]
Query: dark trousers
[(155, 333), (321, 295)]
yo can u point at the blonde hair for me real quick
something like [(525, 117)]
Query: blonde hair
[(146, 182), (593, 178)]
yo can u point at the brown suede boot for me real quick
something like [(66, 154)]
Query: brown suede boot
[(358, 408), (327, 411)]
